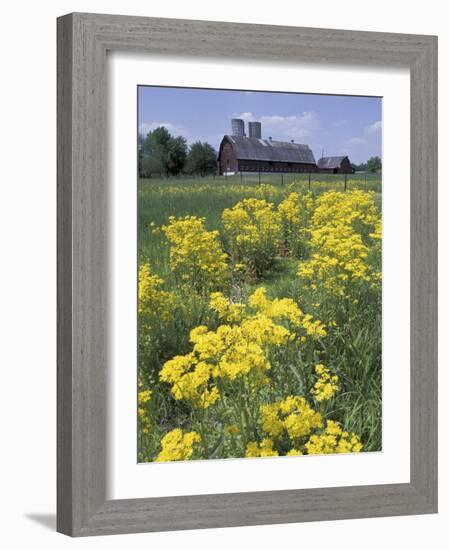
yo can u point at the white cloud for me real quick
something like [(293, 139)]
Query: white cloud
[(370, 135), (247, 116), (174, 129), (356, 141), (284, 128), (373, 128)]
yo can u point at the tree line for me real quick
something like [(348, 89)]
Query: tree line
[(374, 164), (164, 155)]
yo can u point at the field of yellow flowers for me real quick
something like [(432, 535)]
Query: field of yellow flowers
[(259, 319)]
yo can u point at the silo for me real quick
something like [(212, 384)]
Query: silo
[(238, 127), (255, 130)]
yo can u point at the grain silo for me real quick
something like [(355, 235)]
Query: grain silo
[(238, 127), (255, 130)]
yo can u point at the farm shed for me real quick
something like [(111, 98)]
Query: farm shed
[(335, 165), (239, 153)]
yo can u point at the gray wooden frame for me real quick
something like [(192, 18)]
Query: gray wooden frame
[(83, 40)]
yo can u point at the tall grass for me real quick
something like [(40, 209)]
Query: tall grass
[(352, 348)]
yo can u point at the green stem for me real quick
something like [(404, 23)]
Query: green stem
[(203, 434)]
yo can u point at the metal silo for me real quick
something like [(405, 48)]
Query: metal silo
[(255, 130), (238, 127)]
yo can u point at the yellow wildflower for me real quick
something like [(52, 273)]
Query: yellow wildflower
[(294, 212), (327, 384), (143, 397), (294, 452), (154, 303), (286, 309), (341, 223), (225, 309), (177, 445), (292, 415), (253, 233), (190, 379), (196, 256), (264, 448), (333, 440)]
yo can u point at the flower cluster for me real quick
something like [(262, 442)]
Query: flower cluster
[(143, 397), (333, 440), (292, 427), (340, 226), (375, 254), (327, 384), (264, 448), (237, 348), (177, 445), (287, 309), (190, 380), (253, 234), (355, 208), (292, 415), (229, 352), (154, 303), (196, 256), (295, 211), (225, 309)]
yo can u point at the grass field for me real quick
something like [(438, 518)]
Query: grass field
[(207, 197), (312, 248)]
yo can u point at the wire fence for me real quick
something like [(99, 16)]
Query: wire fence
[(361, 180)]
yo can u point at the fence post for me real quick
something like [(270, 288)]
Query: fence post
[(282, 178), (310, 177), (241, 177), (259, 177)]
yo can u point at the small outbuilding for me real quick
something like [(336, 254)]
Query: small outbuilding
[(335, 165)]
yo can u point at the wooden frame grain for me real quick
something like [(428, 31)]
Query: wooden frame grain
[(83, 40)]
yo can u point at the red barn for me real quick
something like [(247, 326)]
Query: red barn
[(239, 153)]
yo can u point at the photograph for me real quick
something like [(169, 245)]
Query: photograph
[(259, 274), (226, 328)]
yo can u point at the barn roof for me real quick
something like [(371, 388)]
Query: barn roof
[(246, 148), (330, 162)]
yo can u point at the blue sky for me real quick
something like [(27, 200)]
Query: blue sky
[(347, 125)]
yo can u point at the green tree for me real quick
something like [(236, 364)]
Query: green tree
[(374, 164), (140, 147), (162, 154), (155, 153), (202, 159), (360, 167), (177, 155)]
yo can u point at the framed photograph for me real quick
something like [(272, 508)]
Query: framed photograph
[(247, 274)]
